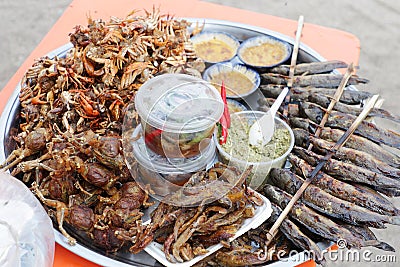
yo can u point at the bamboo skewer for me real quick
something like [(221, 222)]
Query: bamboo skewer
[(293, 63), (335, 99), (368, 107)]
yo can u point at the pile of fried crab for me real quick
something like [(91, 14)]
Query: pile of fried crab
[(68, 150)]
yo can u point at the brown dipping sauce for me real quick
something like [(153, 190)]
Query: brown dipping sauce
[(236, 83), (214, 50), (265, 54)]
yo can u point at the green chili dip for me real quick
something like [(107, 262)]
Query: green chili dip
[(238, 145)]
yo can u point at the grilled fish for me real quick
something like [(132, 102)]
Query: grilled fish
[(367, 235), (357, 157), (328, 204), (303, 123), (362, 144), (355, 141), (362, 195), (313, 221), (324, 101), (294, 234), (343, 121), (310, 68), (316, 80), (350, 97), (266, 103), (348, 172)]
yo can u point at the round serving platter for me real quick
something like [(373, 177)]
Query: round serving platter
[(9, 124)]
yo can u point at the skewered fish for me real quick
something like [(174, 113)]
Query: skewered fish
[(294, 234), (343, 121), (363, 196), (303, 123), (328, 204), (266, 103), (367, 235), (316, 80), (355, 141), (348, 172), (350, 97), (313, 221), (324, 101), (363, 144), (310, 68), (357, 157)]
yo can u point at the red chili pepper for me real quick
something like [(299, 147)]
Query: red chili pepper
[(150, 136), (225, 120), (224, 135), (226, 110)]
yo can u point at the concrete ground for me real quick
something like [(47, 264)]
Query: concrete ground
[(375, 22)]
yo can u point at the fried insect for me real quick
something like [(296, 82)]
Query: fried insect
[(31, 143), (80, 217)]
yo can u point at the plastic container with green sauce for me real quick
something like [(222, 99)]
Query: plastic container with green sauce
[(239, 153)]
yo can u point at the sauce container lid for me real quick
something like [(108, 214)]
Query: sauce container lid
[(179, 103), (159, 164)]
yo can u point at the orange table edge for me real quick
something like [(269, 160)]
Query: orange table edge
[(329, 43)]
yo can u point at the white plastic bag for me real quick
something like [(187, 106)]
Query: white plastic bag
[(26, 231)]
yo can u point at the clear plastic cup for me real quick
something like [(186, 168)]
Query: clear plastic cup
[(178, 113), (165, 175)]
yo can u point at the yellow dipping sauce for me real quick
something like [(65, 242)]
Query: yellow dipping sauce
[(236, 83), (265, 54), (214, 50)]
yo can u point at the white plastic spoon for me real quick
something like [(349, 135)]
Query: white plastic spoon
[(262, 130)]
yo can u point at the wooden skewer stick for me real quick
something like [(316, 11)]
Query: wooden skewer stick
[(368, 107), (335, 99), (293, 63)]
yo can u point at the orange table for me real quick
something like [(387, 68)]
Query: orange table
[(330, 43)]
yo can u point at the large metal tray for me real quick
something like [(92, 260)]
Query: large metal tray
[(9, 121)]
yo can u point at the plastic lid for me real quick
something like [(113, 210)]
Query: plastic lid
[(179, 103), (159, 164)]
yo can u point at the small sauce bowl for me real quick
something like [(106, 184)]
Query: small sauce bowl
[(215, 47), (240, 81), (263, 52)]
